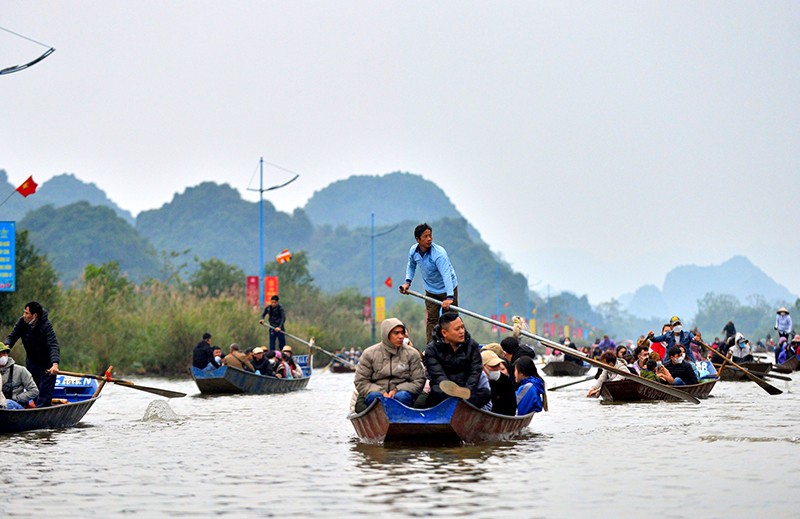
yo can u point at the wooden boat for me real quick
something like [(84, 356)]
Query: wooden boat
[(229, 380), (631, 391), (72, 399), (453, 421), (732, 373), (565, 368), (338, 367), (788, 365)]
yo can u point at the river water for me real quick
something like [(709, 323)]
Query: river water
[(734, 455)]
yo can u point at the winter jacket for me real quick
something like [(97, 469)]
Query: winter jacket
[(237, 359), (202, 355), (462, 366), (41, 344), (684, 339), (277, 316), (783, 323), (18, 384), (530, 395), (504, 400), (607, 376), (384, 367), (684, 370)]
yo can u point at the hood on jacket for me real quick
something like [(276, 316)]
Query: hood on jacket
[(387, 326), (739, 338)]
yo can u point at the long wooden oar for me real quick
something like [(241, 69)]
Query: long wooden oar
[(768, 375), (156, 391), (766, 386), (567, 350), (581, 381), (311, 346)]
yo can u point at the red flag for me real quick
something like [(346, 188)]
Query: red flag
[(507, 303), (28, 187), (388, 282)]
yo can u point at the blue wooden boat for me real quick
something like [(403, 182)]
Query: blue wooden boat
[(72, 399), (227, 380), (453, 421)]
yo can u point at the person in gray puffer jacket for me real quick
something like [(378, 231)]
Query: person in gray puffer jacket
[(391, 368), (17, 382)]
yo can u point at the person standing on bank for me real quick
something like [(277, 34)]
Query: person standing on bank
[(277, 318), (41, 349), (438, 275)]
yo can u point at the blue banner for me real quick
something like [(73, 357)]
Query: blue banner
[(8, 265)]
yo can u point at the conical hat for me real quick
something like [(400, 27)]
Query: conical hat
[(783, 309)]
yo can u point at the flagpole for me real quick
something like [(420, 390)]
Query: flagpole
[(7, 198), (372, 237)]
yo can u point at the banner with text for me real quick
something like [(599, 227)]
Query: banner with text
[(270, 287), (380, 309), (8, 266)]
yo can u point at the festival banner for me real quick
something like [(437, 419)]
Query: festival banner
[(552, 329), (380, 309), (8, 266), (367, 309), (566, 330), (270, 287), (532, 326), (252, 291)]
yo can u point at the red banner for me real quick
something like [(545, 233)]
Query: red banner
[(270, 287), (252, 291), (367, 312), (552, 329), (503, 318)]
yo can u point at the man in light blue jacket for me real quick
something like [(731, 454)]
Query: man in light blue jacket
[(438, 274)]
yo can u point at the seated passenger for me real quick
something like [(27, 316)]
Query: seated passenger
[(504, 399), (741, 349), (679, 368), (572, 358), (288, 357), (513, 350), (390, 368), (453, 363), (19, 389), (261, 364), (282, 368), (705, 368), (610, 358), (216, 356), (530, 393), (237, 359)]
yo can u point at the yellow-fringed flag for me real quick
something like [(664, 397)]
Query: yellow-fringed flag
[(284, 257)]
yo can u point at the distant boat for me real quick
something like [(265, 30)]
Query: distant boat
[(453, 421), (565, 368), (339, 367), (229, 380), (732, 373), (631, 391), (72, 399)]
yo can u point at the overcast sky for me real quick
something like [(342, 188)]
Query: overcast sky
[(637, 136)]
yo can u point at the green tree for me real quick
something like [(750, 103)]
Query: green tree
[(36, 281), (215, 277), (107, 278)]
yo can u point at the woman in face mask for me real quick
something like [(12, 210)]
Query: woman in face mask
[(18, 386), (675, 337), (504, 399)]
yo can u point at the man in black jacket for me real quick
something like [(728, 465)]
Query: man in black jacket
[(679, 368), (203, 355), (453, 359), (41, 349), (277, 319)]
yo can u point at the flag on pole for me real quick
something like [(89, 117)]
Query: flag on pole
[(28, 187), (388, 282), (507, 303), (284, 257)]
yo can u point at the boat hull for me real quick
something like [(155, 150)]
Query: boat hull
[(563, 368), (788, 365), (631, 391), (337, 367), (54, 417), (453, 421), (228, 381)]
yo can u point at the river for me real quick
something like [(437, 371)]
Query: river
[(733, 455)]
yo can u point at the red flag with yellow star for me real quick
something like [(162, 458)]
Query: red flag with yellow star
[(28, 187)]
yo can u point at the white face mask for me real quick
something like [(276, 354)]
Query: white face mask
[(494, 375), (218, 359), (680, 359), (3, 360), (677, 329)]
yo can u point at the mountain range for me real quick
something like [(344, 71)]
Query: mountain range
[(75, 224)]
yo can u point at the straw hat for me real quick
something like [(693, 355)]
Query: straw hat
[(783, 310)]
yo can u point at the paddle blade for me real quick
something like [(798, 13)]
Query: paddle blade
[(154, 390)]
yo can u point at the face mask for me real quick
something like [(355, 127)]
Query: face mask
[(218, 359), (680, 359), (494, 375), (3, 360), (677, 329)]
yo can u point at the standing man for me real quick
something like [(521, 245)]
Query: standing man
[(277, 318), (438, 274), (41, 349)]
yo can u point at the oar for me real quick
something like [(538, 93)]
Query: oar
[(312, 346), (572, 383), (567, 350), (161, 392), (766, 386)]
